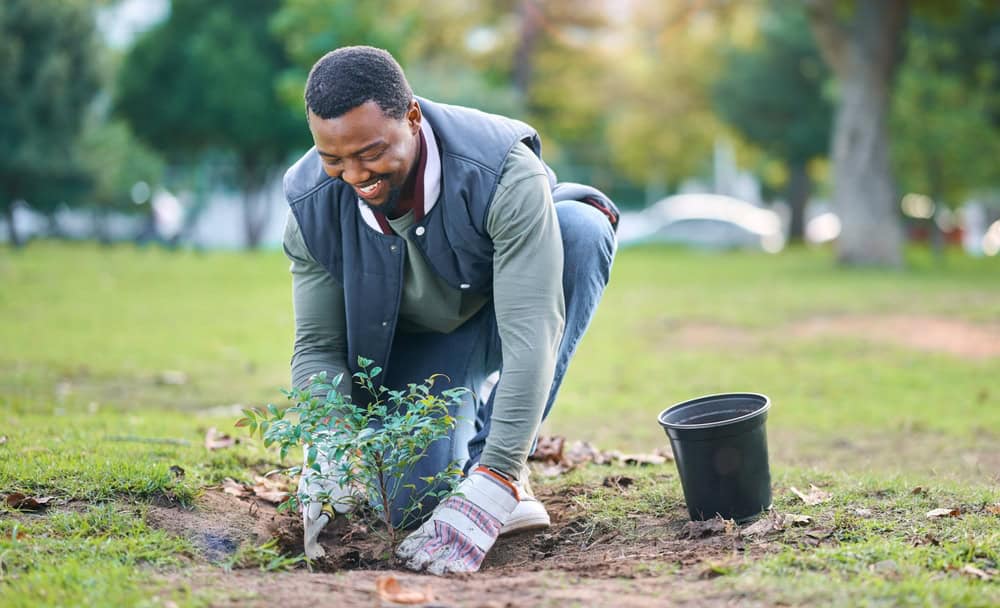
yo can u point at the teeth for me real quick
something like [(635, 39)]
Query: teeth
[(370, 189)]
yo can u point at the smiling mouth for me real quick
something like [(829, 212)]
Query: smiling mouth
[(370, 190)]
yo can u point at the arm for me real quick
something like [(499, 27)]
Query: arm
[(320, 346), (528, 299), (320, 325)]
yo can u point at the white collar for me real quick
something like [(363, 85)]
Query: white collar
[(432, 177)]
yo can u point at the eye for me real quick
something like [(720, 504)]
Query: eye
[(331, 161), (372, 155)]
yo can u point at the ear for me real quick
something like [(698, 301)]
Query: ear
[(414, 116)]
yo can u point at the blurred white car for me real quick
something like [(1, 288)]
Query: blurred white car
[(712, 221)]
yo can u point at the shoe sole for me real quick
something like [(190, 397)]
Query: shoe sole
[(526, 525)]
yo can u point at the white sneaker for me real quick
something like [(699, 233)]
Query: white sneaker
[(529, 515)]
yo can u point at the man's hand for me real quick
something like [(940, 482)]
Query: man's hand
[(328, 498), (463, 527)]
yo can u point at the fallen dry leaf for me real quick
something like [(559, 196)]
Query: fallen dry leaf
[(176, 470), (814, 497), (231, 486), (214, 440), (638, 459), (390, 590), (582, 452), (549, 449), (939, 513), (770, 522), (919, 491), (971, 570), (993, 509), (701, 529), (863, 512), (272, 490), (21, 502), (3, 439), (791, 519)]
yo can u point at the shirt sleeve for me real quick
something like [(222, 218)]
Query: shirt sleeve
[(320, 322), (530, 311)]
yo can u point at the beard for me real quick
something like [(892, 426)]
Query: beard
[(390, 208)]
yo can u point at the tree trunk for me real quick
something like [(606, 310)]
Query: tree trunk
[(863, 54), (531, 26), (936, 179), (799, 190), (15, 238), (256, 206)]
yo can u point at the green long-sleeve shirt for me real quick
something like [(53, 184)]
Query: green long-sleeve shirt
[(527, 294)]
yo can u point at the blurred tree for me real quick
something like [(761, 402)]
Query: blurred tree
[(863, 42), (205, 80), (946, 111), (772, 94), (118, 164), (663, 126), (430, 40), (48, 77)]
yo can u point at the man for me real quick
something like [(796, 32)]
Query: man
[(425, 237)]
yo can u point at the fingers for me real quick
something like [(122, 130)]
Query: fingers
[(313, 522)]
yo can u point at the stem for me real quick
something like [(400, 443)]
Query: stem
[(384, 494)]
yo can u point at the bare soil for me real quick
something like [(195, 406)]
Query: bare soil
[(574, 562), (973, 341)]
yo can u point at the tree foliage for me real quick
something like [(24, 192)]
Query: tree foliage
[(48, 77), (772, 94), (946, 112), (205, 80), (663, 126), (117, 161)]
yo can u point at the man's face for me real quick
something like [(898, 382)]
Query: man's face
[(370, 151)]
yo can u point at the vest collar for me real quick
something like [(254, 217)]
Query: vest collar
[(432, 178)]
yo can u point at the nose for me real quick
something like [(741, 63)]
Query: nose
[(355, 172)]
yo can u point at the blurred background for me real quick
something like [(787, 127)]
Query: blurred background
[(858, 126)]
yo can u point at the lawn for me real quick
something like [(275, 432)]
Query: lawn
[(114, 362)]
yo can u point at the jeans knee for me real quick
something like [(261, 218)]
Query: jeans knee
[(588, 236)]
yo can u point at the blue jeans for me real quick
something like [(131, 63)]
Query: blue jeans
[(473, 351)]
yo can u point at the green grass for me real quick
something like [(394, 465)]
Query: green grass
[(85, 558), (88, 332), (893, 556)]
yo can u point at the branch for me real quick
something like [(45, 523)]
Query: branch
[(832, 36)]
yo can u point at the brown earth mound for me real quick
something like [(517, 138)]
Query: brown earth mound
[(659, 561)]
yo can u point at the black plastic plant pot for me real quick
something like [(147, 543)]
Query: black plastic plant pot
[(720, 446)]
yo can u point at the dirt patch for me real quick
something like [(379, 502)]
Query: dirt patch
[(356, 589), (219, 523), (575, 561), (918, 332)]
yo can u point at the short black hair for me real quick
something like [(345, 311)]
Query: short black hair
[(353, 75)]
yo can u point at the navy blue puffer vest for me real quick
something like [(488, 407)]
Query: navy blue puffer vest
[(452, 237)]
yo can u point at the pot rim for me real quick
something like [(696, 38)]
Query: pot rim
[(765, 406)]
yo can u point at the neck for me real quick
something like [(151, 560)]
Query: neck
[(408, 195)]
